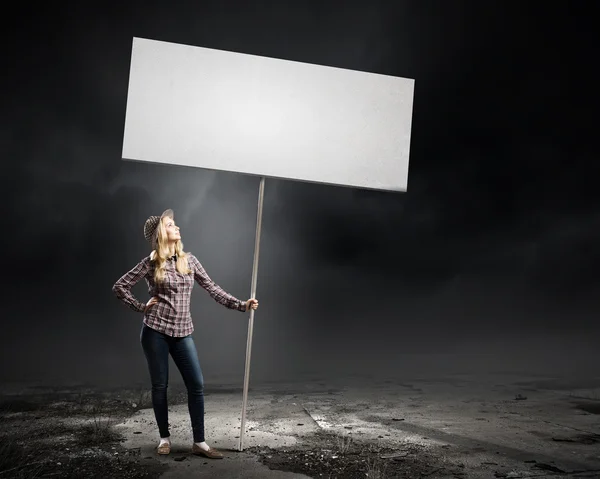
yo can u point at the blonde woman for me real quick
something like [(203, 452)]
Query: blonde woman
[(167, 325)]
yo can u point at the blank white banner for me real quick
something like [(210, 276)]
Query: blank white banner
[(262, 116)]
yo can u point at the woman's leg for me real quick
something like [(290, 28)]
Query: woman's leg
[(185, 356), (156, 350)]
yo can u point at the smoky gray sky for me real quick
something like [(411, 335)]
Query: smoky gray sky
[(494, 248)]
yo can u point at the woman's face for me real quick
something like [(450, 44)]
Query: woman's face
[(173, 233)]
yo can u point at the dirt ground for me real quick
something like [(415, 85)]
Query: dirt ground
[(69, 433), (447, 427)]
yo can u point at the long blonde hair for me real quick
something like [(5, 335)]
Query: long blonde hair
[(161, 253)]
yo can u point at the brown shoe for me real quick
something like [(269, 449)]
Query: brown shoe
[(164, 448), (211, 453)]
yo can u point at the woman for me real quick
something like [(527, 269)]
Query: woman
[(167, 326)]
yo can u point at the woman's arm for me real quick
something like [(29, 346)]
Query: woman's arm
[(215, 291), (122, 288)]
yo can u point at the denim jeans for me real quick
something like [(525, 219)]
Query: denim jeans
[(157, 347)]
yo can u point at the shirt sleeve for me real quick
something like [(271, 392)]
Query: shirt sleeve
[(215, 291), (122, 288)]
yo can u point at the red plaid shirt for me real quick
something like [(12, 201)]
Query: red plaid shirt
[(171, 315)]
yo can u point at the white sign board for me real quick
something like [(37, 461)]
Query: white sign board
[(262, 116)]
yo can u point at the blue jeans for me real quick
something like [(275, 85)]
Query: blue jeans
[(157, 347)]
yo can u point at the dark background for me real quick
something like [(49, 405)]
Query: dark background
[(489, 262)]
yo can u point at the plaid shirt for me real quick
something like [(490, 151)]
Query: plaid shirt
[(171, 315)]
